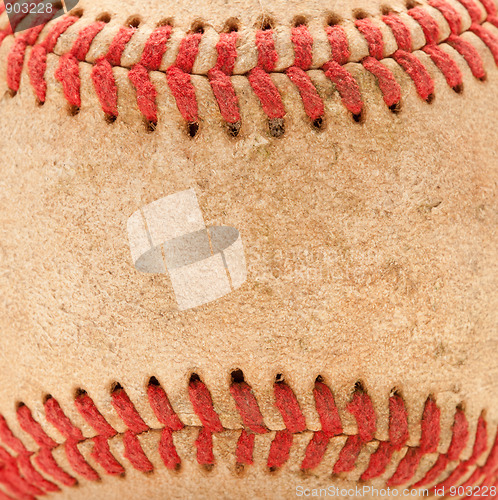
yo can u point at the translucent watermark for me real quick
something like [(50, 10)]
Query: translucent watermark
[(204, 264), (360, 491), (26, 14)]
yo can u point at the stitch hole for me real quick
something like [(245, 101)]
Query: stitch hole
[(359, 386), (279, 379), (333, 19), (237, 376), (483, 78), (386, 10), (153, 381), (110, 119), (194, 378), (39, 103), (47, 398), (232, 25), (299, 21), (266, 23), (458, 88), (165, 22), (319, 380), (105, 17), (133, 22), (115, 387), (430, 99), (73, 110), (411, 4), (150, 125), (233, 128), (359, 117), (239, 468), (11, 93), (360, 14), (318, 123), (395, 108), (192, 129), (198, 27), (277, 127), (78, 393), (76, 13)]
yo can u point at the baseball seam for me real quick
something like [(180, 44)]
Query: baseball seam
[(20, 469), (178, 74)]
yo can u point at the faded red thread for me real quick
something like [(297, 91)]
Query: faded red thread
[(204, 444), (473, 10), (346, 85), (94, 418), (67, 71), (139, 74), (260, 80), (361, 408), (46, 462), (60, 421), (127, 412), (390, 88), (248, 407), (315, 450), (373, 36), (488, 38), (203, 406), (429, 25), (450, 14), (12, 476), (286, 402), (101, 453), (303, 50), (470, 54), (339, 44), (279, 449), (245, 448), (37, 62), (167, 450), (8, 438), (179, 79), (78, 462), (33, 476), (327, 410), (491, 10), (219, 77), (33, 428), (446, 64), (400, 31), (102, 75), (348, 455), (162, 408), (135, 454), (417, 72), (398, 436)]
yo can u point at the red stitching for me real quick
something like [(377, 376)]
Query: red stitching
[(179, 74), (20, 477)]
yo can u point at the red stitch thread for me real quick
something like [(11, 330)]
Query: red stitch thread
[(450, 14), (473, 10), (46, 462), (12, 476), (37, 62), (327, 410), (161, 406), (135, 454), (8, 438), (315, 450), (417, 72), (446, 64), (204, 444), (60, 421), (179, 79), (428, 23), (102, 75), (245, 448), (470, 54), (398, 436), (219, 77), (286, 402), (248, 407), (127, 412), (101, 453), (279, 449), (33, 476), (68, 72), (32, 427), (429, 442), (488, 38), (390, 88), (139, 74), (400, 31), (303, 50), (94, 418), (348, 455), (78, 462), (260, 80), (373, 36), (339, 44), (167, 450), (203, 406), (491, 10), (346, 85)]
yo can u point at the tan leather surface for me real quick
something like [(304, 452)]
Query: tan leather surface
[(371, 252)]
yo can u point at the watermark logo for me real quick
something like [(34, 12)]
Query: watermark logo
[(26, 14), (169, 235)]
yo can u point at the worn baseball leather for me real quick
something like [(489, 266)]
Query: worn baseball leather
[(371, 248)]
